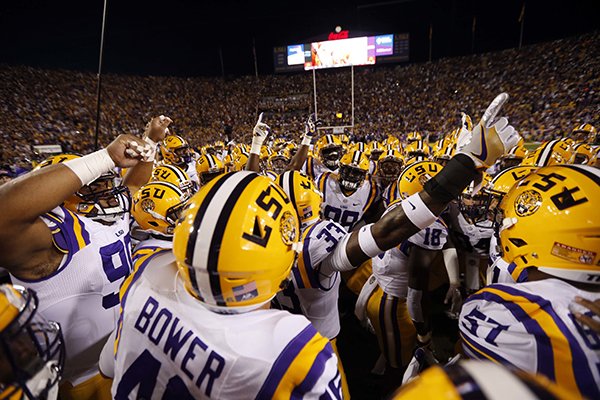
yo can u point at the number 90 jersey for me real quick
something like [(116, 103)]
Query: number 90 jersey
[(532, 326), (345, 210), (83, 294)]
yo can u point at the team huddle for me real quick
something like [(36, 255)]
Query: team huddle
[(154, 269)]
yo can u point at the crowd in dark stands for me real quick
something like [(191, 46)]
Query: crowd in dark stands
[(553, 87)]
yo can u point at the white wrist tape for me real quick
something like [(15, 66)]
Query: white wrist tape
[(306, 140), (151, 155), (89, 168), (450, 256), (417, 211), (367, 243), (257, 143)]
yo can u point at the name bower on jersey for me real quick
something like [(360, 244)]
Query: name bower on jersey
[(170, 346), (531, 326)]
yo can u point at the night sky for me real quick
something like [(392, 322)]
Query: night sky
[(183, 37)]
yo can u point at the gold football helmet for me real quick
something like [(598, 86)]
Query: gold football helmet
[(416, 148), (390, 166), (587, 133), (550, 222), (304, 195), (414, 177), (33, 351), (500, 185), (278, 162), (157, 206), (208, 168), (476, 379), (553, 152), (176, 176), (413, 137), (376, 149), (176, 150), (235, 243), (582, 154), (445, 151), (329, 149), (105, 199), (354, 167)]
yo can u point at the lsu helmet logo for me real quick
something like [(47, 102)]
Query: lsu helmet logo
[(527, 203)]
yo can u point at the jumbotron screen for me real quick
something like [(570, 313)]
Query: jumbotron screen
[(364, 50)]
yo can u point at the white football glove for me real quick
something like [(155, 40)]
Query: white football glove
[(490, 139), (310, 129), (260, 133)]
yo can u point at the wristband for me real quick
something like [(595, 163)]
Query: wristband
[(257, 143), (150, 156), (417, 212), (450, 182), (367, 243), (306, 140), (89, 168)]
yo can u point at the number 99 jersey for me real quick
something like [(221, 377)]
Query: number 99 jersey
[(83, 294), (531, 326), (345, 210)]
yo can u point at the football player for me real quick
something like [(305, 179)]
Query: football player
[(175, 150), (33, 352), (195, 323), (349, 194), (550, 232), (64, 232), (209, 167)]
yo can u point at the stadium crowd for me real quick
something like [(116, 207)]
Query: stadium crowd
[(556, 84), (233, 250)]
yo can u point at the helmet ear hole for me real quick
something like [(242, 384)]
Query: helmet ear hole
[(518, 242)]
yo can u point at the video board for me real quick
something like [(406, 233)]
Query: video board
[(364, 50)]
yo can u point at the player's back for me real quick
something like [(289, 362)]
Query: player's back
[(83, 294), (170, 345), (530, 325)]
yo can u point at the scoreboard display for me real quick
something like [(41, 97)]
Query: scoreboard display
[(364, 50)]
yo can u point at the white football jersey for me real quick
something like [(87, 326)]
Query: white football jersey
[(170, 346), (531, 326), (83, 294), (312, 292), (345, 210), (191, 172), (479, 236), (391, 268)]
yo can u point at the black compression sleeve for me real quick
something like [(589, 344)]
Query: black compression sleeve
[(452, 179)]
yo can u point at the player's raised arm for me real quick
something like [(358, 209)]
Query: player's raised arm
[(25, 240), (489, 140), (260, 133), (140, 174), (310, 131)]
